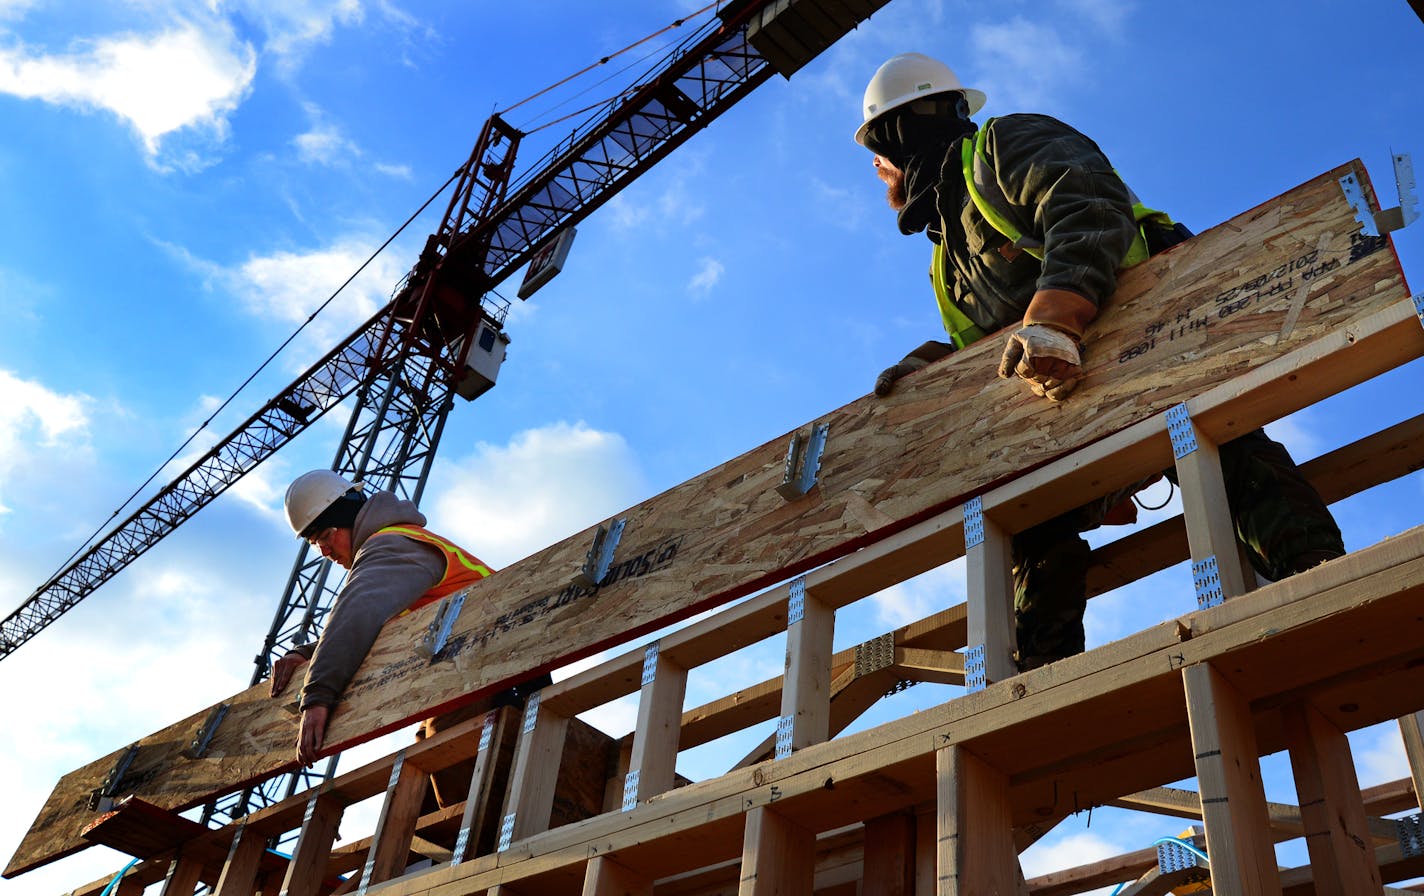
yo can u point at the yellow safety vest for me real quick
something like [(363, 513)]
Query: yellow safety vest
[(984, 192), (461, 568)]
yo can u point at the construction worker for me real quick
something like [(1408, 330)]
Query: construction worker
[(1030, 224), (394, 565)]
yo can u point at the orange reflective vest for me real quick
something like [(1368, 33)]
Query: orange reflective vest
[(461, 568)]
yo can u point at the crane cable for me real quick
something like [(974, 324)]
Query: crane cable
[(245, 383)]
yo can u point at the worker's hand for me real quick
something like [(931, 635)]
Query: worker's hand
[(1046, 358), (283, 669), (312, 734), (927, 353)]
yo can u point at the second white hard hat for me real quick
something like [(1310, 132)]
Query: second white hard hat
[(310, 494), (909, 77)]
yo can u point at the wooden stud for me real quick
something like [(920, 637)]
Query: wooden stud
[(991, 599), (1411, 728), (479, 824), (1337, 833), (976, 839), (390, 844), (605, 877), (806, 692), (1243, 859), (926, 851), (307, 869), (652, 768), (889, 856), (778, 856), (536, 771), (239, 874), (1210, 531), (183, 876)]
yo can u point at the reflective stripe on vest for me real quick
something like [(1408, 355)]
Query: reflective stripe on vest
[(983, 187), (461, 569)]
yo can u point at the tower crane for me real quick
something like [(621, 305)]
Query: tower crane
[(442, 333)]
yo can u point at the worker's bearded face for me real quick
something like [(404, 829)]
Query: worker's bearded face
[(894, 180)]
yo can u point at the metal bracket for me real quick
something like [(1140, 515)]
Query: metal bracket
[(506, 832), (462, 843), (1411, 835), (796, 602), (650, 664), (784, 727), (1389, 220), (976, 671), (1179, 429), (600, 556), (1206, 578), (487, 732), (1419, 307), (531, 711), (101, 799), (630, 790), (438, 632), (875, 654), (973, 522), (1174, 857), (203, 738), (803, 462)]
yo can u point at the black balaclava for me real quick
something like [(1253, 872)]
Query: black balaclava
[(341, 514), (914, 138)]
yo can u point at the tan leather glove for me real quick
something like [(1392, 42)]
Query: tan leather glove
[(926, 354), (1045, 351)]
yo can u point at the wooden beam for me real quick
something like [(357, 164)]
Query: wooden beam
[(605, 877), (239, 874), (778, 856), (307, 868), (480, 818), (652, 768), (806, 696), (536, 773), (1216, 561), (184, 874), (1411, 728), (1337, 832), (991, 597), (1243, 859), (976, 847), (889, 856), (390, 846)]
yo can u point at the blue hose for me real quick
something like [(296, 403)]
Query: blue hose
[(118, 877), (1188, 845)]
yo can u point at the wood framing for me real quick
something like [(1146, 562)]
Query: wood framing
[(1213, 309)]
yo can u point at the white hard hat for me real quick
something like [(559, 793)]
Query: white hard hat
[(909, 77), (310, 494)]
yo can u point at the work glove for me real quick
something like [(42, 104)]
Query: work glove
[(1044, 352), (920, 357)]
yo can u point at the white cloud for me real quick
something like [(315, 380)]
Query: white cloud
[(1108, 16), (707, 276), (1037, 55), (916, 598), (186, 78), (34, 422), (1058, 853), (1379, 755), (294, 26), (324, 144), (505, 502)]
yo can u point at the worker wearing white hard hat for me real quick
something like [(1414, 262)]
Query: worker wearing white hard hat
[(1030, 224)]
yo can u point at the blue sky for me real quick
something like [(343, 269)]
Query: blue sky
[(184, 183)]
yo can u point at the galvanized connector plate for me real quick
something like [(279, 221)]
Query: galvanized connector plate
[(1179, 429), (976, 671), (531, 711), (973, 522), (803, 462), (1355, 195), (600, 555), (650, 664), (1419, 307), (1206, 578), (796, 602), (784, 726), (204, 735), (630, 790), (101, 799), (462, 843), (875, 654), (438, 632), (487, 732), (506, 832), (1411, 835), (1174, 857)]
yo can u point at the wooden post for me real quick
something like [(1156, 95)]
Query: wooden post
[(307, 868), (990, 601), (535, 774), (778, 856), (480, 822), (390, 844), (1411, 727), (652, 768), (976, 837), (926, 853), (183, 876), (806, 691), (239, 874), (605, 877), (1342, 853), (889, 868), (1238, 836), (1216, 561)]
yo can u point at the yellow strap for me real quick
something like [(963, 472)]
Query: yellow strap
[(960, 328), (432, 539)]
